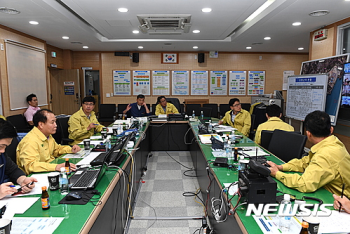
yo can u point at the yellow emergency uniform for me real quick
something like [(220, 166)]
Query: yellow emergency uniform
[(270, 125), (242, 121), (327, 165), (2, 117), (78, 124), (35, 152), (170, 109)]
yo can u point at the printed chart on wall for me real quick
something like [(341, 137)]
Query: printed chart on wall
[(199, 82), (141, 82), (218, 82), (161, 83), (237, 82), (181, 82), (305, 94), (256, 82), (121, 83)]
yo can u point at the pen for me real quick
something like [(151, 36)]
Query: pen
[(342, 193), (12, 186)]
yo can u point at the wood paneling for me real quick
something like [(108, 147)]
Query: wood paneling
[(59, 56), (324, 48), (274, 64), (7, 33), (86, 59)]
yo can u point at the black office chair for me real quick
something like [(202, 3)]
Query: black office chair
[(260, 115), (182, 107), (153, 111), (11, 149), (121, 108), (214, 109), (206, 111), (252, 129), (175, 102), (246, 106), (62, 124), (265, 138), (223, 109), (287, 145), (193, 107), (19, 122), (107, 113)]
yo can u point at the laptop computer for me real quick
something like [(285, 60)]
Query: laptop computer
[(88, 179)]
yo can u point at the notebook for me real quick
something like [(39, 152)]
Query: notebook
[(88, 179)]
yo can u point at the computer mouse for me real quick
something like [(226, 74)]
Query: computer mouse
[(73, 196)]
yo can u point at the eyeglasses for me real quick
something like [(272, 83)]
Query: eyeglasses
[(89, 104), (237, 105)]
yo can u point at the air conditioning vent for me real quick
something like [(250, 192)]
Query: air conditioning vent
[(165, 24)]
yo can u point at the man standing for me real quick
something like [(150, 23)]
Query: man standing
[(139, 108), (237, 117), (32, 100), (328, 162), (83, 123), (273, 114), (38, 148)]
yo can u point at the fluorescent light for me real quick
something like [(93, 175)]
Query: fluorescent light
[(248, 47), (65, 37), (135, 31), (259, 10), (296, 24), (196, 31), (195, 47), (85, 47), (34, 22), (140, 47), (122, 9), (206, 10), (267, 38), (300, 48)]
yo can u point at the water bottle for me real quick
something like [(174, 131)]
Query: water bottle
[(63, 181), (108, 145), (228, 150), (285, 219), (202, 115), (210, 127), (193, 114)]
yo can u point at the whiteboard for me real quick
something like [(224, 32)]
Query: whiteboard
[(305, 94)]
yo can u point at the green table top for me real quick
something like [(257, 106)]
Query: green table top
[(223, 177), (75, 216)]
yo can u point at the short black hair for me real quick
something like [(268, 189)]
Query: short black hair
[(7, 130), (318, 123), (30, 97), (140, 96), (89, 99), (159, 98), (232, 101), (273, 110), (40, 116)]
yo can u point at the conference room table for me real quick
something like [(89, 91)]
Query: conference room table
[(110, 213)]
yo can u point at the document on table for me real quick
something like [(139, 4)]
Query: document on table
[(89, 158), (252, 153), (16, 205), (42, 181), (39, 225), (81, 154), (337, 222), (270, 225), (205, 139), (223, 128)]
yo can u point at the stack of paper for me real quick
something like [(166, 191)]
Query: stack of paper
[(205, 139)]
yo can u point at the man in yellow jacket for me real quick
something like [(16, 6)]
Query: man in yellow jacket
[(164, 107), (38, 148), (327, 165), (273, 114), (237, 117), (83, 123)]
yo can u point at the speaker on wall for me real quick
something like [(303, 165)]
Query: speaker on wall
[(135, 57), (200, 57)]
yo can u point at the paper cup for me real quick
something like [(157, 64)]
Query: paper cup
[(53, 178), (86, 144), (5, 226), (314, 223)]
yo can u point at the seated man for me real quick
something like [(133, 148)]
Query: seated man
[(164, 107), (9, 171), (32, 100), (328, 162), (38, 148), (237, 117), (273, 114), (83, 123), (139, 108)]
